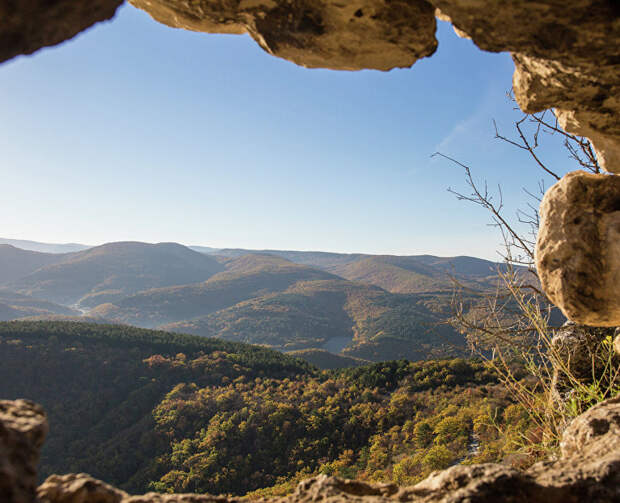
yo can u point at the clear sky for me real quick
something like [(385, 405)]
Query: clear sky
[(136, 131)]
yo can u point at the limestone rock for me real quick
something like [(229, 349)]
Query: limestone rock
[(78, 488), (601, 129), (82, 488), (475, 484), (578, 247), (23, 427), (585, 100), (580, 353), (352, 35), (28, 25), (589, 468), (594, 434), (324, 488), (442, 17)]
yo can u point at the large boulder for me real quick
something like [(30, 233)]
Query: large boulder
[(565, 56), (78, 488), (578, 247), (23, 427)]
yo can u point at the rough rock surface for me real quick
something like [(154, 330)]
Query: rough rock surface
[(578, 247), (580, 353), (28, 25), (588, 470), (350, 35), (22, 430)]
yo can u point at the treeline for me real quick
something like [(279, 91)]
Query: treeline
[(152, 410), (152, 341)]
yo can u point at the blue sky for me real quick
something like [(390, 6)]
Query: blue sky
[(136, 131)]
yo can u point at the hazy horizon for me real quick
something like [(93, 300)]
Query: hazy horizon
[(195, 245)]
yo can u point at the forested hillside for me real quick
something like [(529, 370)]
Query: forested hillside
[(246, 278), (154, 410), (100, 383)]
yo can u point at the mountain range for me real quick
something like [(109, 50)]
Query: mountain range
[(369, 307)]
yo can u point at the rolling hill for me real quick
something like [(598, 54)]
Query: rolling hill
[(318, 259), (271, 301), (16, 263), (115, 270), (419, 274), (397, 274), (246, 277)]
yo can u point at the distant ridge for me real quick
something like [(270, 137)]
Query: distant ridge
[(25, 244)]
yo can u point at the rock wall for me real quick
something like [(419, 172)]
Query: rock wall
[(588, 470), (566, 55)]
